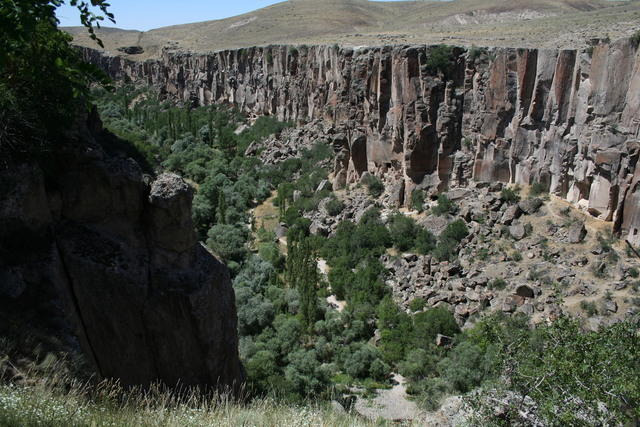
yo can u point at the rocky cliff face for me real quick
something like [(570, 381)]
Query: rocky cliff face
[(569, 119), (93, 248)]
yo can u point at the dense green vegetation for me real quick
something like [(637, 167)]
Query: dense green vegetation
[(439, 58), (574, 377), (43, 82), (292, 343)]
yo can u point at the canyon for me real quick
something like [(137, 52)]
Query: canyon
[(569, 119)]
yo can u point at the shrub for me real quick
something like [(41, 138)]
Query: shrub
[(359, 363), (417, 304), (537, 188), (468, 366), (445, 250), (439, 58), (335, 207), (593, 374), (379, 370), (635, 38), (444, 206), (305, 374), (614, 128), (417, 200), (476, 52), (589, 307), (497, 284), (424, 242), (432, 391), (516, 256), (271, 253), (428, 324), (228, 241), (402, 230), (374, 185), (456, 231), (509, 195)]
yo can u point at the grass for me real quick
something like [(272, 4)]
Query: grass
[(510, 195), (44, 404), (537, 189), (589, 307), (497, 284)]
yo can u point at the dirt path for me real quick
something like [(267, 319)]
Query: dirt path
[(391, 404), (323, 267), (331, 299)]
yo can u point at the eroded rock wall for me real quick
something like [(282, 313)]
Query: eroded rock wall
[(569, 119), (92, 248)]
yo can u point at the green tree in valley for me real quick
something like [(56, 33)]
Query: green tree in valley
[(302, 274), (43, 81)]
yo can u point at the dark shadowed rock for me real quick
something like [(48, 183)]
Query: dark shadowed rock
[(525, 291), (117, 261), (443, 340), (512, 213), (530, 206), (131, 50)]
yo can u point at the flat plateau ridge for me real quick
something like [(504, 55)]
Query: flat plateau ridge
[(517, 23)]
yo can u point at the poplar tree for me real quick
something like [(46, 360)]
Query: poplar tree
[(301, 273), (221, 208)]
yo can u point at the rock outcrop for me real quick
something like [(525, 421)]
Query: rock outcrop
[(568, 119), (95, 249)]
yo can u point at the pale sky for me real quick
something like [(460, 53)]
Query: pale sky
[(148, 14)]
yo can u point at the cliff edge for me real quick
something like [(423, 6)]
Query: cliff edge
[(434, 117)]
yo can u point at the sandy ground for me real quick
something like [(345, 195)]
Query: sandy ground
[(391, 404)]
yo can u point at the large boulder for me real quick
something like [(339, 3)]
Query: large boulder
[(517, 231), (577, 233)]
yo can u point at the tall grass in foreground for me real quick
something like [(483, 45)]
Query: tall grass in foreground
[(44, 404)]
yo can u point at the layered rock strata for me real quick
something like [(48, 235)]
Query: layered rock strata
[(568, 119), (92, 247)]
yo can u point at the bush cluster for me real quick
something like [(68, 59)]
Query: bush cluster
[(374, 185)]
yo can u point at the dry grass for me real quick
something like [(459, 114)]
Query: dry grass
[(48, 401), (530, 23)]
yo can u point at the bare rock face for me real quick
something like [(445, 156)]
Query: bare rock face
[(577, 233), (108, 261), (568, 119)]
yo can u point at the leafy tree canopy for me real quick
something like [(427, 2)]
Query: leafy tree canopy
[(42, 77)]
